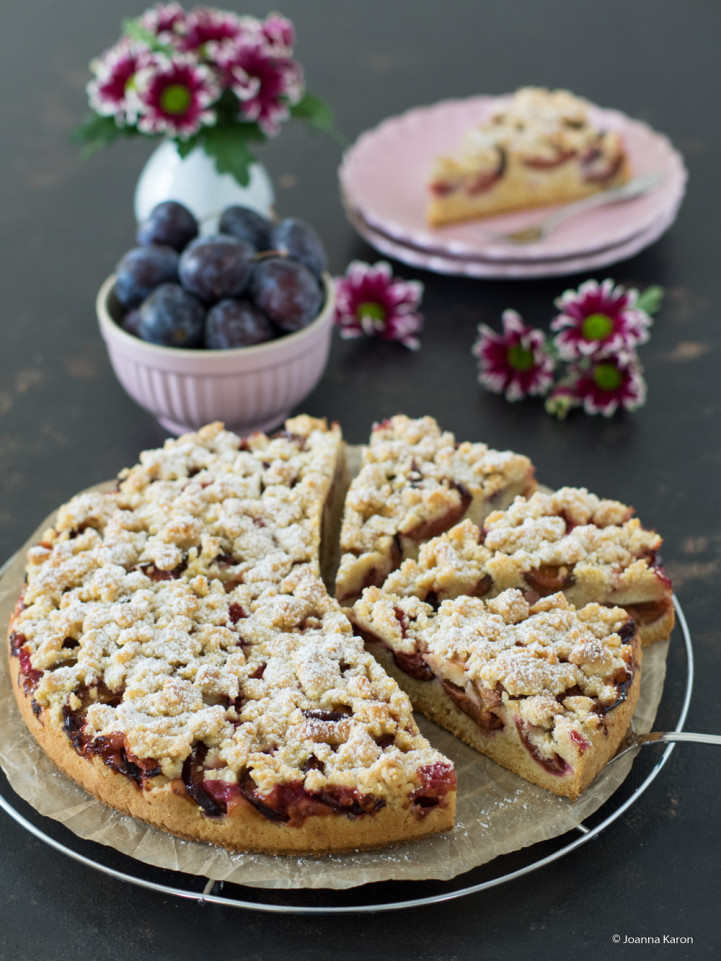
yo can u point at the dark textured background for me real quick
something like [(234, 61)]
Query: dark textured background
[(65, 423)]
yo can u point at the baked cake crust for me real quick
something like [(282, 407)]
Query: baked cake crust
[(176, 652), (591, 549), (416, 481), (545, 690), (538, 148)]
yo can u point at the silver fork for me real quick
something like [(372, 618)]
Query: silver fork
[(634, 740), (530, 235)]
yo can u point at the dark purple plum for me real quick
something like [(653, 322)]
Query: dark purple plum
[(248, 225), (170, 224), (131, 323), (216, 267), (301, 242), (172, 317), (236, 323), (287, 292), (143, 269)]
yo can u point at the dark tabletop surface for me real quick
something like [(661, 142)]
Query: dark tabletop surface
[(66, 423)]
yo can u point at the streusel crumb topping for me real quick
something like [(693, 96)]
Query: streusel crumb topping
[(415, 481), (554, 660), (534, 125), (185, 609), (596, 542)]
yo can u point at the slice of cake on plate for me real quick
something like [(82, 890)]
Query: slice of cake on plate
[(540, 147), (591, 549), (545, 690), (415, 482)]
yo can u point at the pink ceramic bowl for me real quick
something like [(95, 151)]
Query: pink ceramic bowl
[(248, 388)]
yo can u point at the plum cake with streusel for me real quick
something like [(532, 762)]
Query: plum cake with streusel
[(545, 690), (589, 548), (415, 482), (175, 652), (540, 147)]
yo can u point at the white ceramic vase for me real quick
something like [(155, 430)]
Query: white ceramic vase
[(194, 181)]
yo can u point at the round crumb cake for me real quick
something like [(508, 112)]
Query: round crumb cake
[(176, 653)]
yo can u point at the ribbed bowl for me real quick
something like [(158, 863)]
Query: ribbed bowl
[(248, 388)]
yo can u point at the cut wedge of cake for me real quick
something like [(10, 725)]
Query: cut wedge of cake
[(176, 653), (415, 482), (545, 690), (591, 549), (538, 148)]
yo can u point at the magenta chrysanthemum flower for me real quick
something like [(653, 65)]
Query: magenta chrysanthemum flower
[(516, 362), (164, 20), (370, 301), (112, 91), (279, 33), (598, 317), (609, 383), (265, 83), (175, 95), (206, 25)]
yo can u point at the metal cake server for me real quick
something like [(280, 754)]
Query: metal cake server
[(634, 740)]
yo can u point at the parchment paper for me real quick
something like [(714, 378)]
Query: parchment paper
[(497, 811)]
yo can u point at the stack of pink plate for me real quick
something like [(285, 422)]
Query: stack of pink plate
[(383, 184)]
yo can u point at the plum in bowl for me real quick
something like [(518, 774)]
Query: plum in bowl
[(248, 388)]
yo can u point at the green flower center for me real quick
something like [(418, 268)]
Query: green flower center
[(371, 310), (175, 98), (520, 358), (596, 326), (607, 376)]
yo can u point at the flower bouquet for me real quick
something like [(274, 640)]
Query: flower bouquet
[(204, 78), (592, 361)]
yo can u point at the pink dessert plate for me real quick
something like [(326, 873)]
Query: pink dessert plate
[(460, 266), (383, 178)]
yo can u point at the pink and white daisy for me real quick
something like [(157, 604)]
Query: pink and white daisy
[(279, 33), (175, 96), (206, 25), (112, 91), (165, 21), (515, 363), (598, 317), (265, 83), (371, 302), (610, 383)]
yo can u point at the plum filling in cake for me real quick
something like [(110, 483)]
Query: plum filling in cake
[(18, 649), (414, 665), (288, 803), (596, 168), (438, 780), (478, 703), (554, 764), (548, 579), (111, 748), (647, 612)]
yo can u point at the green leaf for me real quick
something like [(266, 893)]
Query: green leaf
[(317, 115), (136, 31), (651, 299), (96, 132), (229, 148), (186, 147)]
